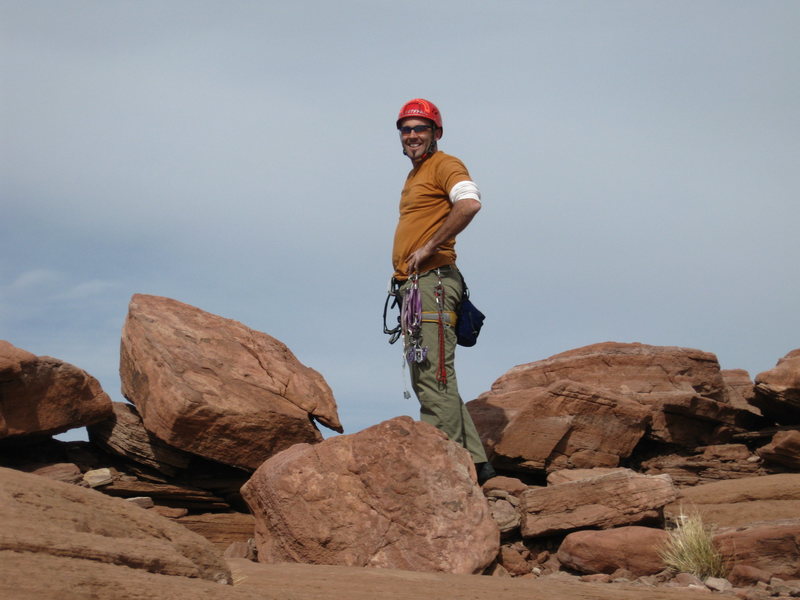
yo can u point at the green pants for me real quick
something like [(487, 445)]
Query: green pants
[(440, 403)]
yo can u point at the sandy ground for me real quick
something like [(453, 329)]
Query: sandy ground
[(31, 576), (307, 582)]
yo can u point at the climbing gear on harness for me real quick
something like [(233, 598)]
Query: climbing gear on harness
[(438, 293), (393, 294), (448, 317), (411, 322)]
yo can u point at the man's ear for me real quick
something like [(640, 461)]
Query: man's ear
[(438, 134)]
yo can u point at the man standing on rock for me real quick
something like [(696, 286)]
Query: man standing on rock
[(438, 201)]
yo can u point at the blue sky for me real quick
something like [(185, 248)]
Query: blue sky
[(638, 163)]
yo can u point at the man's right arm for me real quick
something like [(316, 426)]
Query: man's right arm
[(460, 216)]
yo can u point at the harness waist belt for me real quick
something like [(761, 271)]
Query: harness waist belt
[(448, 317)]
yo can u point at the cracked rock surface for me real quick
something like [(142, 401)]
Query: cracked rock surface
[(395, 495)]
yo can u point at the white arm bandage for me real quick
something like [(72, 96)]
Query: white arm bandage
[(464, 189)]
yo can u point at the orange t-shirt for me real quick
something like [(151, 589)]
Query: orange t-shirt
[(424, 205)]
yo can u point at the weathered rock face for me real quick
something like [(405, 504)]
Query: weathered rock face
[(221, 529), (625, 368), (635, 549), (738, 502), (567, 475), (740, 390), (571, 425), (784, 449), (714, 463), (610, 500), (46, 517), (682, 389), (772, 547), (124, 434), (44, 395), (213, 387), (396, 495), (777, 391)]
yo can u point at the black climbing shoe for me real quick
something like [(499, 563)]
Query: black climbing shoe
[(485, 472)]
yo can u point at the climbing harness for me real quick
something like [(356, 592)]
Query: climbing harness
[(411, 318)]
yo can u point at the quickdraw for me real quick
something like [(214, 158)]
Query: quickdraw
[(438, 292), (411, 323)]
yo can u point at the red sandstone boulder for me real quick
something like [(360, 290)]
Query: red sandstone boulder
[(50, 518), (213, 387), (777, 391), (513, 560), (784, 449), (625, 368), (739, 502), (43, 395), (635, 549), (771, 547), (571, 425), (682, 389), (609, 500), (395, 495)]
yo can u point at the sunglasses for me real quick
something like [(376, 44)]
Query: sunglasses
[(416, 129)]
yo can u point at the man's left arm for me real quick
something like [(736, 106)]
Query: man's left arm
[(462, 213)]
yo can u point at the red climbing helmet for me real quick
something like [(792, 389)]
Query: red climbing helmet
[(420, 108)]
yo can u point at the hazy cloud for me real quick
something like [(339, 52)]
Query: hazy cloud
[(637, 163)]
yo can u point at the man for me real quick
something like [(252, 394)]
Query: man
[(438, 201)]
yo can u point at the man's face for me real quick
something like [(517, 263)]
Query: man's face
[(416, 143)]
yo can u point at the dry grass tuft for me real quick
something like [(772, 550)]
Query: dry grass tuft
[(690, 548)]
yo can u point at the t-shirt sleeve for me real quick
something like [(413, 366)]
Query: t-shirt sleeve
[(451, 172)]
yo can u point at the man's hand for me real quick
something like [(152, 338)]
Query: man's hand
[(418, 258)]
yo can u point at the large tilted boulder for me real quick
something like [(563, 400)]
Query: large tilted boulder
[(685, 398), (211, 386), (616, 498), (40, 395), (395, 495), (777, 391), (50, 518)]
